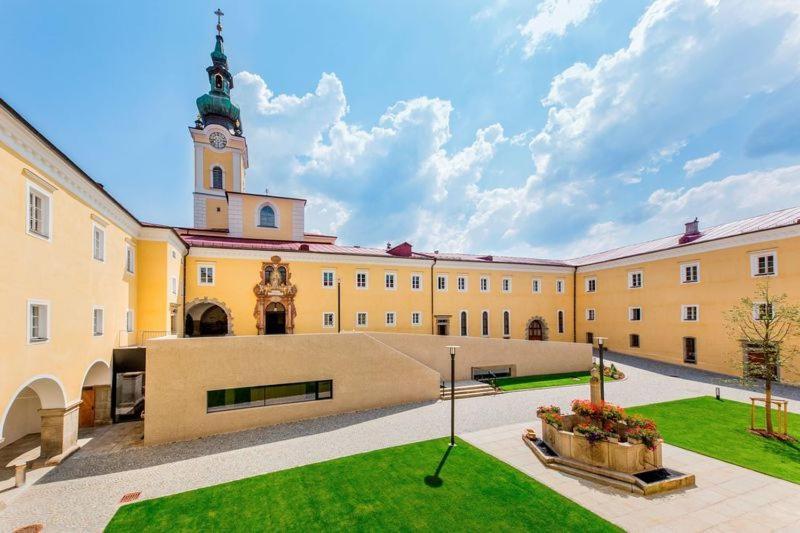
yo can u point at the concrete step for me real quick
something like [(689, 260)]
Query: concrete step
[(469, 388), (469, 391)]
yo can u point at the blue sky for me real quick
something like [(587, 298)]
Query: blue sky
[(547, 128)]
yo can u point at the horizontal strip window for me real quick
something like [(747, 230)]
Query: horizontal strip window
[(263, 395)]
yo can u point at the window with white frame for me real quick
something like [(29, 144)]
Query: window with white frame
[(416, 282), (38, 321), (560, 286), (390, 319), (361, 280), (536, 285), (39, 212), (416, 318), (97, 321), (390, 279), (98, 243), (591, 284), (206, 274), (327, 278), (764, 263), (690, 313), (485, 323), (361, 319), (690, 272), (560, 319), (634, 314), (328, 319), (129, 320), (173, 285), (506, 285), (461, 283), (441, 282), (130, 259), (590, 314), (484, 284), (635, 279), (762, 311), (506, 323)]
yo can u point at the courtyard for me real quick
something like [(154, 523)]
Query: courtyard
[(84, 492)]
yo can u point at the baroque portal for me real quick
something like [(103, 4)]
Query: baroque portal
[(275, 311)]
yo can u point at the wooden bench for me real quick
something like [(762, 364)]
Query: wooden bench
[(20, 465)]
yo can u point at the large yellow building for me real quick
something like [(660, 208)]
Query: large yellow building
[(88, 283)]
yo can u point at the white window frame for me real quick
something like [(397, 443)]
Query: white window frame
[(631, 275), (685, 308), (200, 267), (591, 314), (173, 285), (462, 278), (98, 252), (587, 284), (630, 313), (755, 256), (485, 284), (366, 319), (386, 277), (506, 334), (393, 323), (46, 305), (756, 310), (102, 331), (130, 258), (561, 286), (440, 277), (506, 281), (488, 331), (325, 315), (561, 321), (536, 286), (366, 280), (129, 324), (333, 278), (47, 211), (682, 273), (418, 323), (418, 277)]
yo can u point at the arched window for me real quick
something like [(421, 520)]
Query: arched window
[(485, 323), (218, 81), (463, 323), (266, 217), (506, 324), (216, 178), (561, 321), (282, 274)]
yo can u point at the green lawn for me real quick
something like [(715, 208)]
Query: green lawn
[(547, 380), (391, 489), (719, 429)]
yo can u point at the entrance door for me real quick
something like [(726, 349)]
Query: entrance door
[(443, 326), (86, 410), (275, 319), (535, 331)]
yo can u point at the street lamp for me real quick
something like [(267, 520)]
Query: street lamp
[(601, 349), (452, 394)]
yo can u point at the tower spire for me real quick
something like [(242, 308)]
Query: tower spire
[(216, 107)]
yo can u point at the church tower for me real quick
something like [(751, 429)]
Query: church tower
[(220, 149)]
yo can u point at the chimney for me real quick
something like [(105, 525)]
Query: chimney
[(691, 232)]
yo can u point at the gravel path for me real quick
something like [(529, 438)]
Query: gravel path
[(83, 493)]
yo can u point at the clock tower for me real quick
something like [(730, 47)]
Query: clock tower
[(220, 149)]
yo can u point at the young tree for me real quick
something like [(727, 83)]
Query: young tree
[(765, 326)]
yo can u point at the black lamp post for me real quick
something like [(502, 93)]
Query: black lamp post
[(601, 350), (452, 394)]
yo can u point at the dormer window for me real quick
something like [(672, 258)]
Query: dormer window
[(216, 178), (266, 217)]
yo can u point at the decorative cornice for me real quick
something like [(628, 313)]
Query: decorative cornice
[(304, 257), (163, 235), (505, 267)]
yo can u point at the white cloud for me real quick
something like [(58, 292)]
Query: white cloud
[(694, 166), (552, 19)]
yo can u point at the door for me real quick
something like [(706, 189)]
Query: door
[(535, 331), (86, 410), (275, 319)]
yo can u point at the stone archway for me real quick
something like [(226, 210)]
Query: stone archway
[(95, 409), (197, 308), (536, 329)]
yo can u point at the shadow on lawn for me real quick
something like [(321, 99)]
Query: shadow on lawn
[(435, 480)]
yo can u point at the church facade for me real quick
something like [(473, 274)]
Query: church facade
[(87, 283)]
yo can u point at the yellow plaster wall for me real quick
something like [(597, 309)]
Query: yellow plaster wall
[(216, 212), (283, 209), (724, 278), (213, 158)]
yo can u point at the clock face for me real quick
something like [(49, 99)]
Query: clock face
[(218, 140)]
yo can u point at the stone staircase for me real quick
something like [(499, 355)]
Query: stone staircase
[(468, 389)]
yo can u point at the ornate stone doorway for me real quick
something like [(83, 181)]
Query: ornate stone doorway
[(536, 330), (275, 319)]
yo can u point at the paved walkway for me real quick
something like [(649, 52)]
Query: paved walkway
[(83, 493), (727, 497)]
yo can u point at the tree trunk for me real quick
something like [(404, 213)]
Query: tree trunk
[(768, 406)]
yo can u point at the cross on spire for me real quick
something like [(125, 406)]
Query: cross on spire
[(219, 15)]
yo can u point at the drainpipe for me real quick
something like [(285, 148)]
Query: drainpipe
[(183, 307), (433, 319), (574, 304), (339, 305)]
